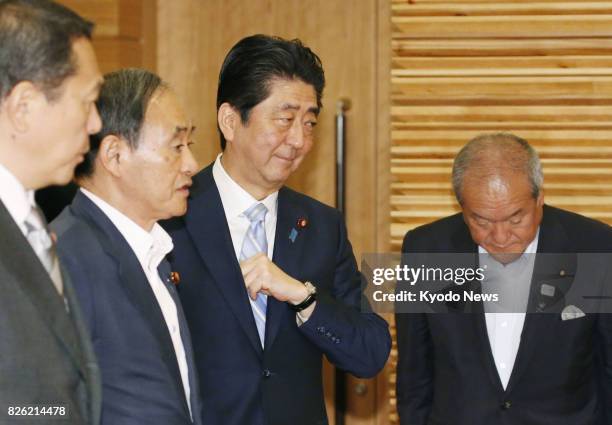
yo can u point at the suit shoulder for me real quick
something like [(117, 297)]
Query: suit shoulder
[(74, 233), (68, 223), (584, 232), (312, 205), (577, 221), (202, 180), (432, 236)]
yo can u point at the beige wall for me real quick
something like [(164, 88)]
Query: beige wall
[(125, 33)]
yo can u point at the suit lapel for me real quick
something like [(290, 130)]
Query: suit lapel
[(164, 271), (480, 325), (133, 278), (21, 261), (552, 239), (288, 248), (462, 242), (208, 228)]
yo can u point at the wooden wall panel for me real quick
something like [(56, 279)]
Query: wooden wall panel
[(105, 14), (498, 26), (125, 33), (385, 407), (193, 49), (542, 70), (114, 53)]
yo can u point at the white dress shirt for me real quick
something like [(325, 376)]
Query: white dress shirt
[(236, 201), (17, 200), (150, 248), (505, 319), (19, 203)]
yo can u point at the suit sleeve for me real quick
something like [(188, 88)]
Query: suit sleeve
[(603, 359), (602, 353), (354, 341), (414, 365)]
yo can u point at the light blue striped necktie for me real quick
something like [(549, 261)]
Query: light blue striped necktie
[(255, 242)]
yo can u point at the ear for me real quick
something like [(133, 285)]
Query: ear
[(228, 119), (540, 200), (113, 152), (21, 105)]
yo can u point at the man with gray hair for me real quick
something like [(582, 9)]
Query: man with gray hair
[(137, 172), (49, 81), (512, 367)]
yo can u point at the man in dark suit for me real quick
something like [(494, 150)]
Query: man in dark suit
[(269, 282), (138, 171), (492, 367), (49, 80)]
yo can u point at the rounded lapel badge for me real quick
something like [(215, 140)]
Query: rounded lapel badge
[(175, 278)]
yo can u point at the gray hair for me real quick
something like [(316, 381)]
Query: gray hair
[(122, 105), (508, 149)]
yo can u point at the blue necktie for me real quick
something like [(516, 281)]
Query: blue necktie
[(255, 242)]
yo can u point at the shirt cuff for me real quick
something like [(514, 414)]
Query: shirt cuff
[(300, 320)]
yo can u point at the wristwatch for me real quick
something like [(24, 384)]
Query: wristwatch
[(312, 296)]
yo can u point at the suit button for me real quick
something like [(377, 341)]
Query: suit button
[(328, 334), (506, 405), (321, 330), (337, 341), (266, 373)]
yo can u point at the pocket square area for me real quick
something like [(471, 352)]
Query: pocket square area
[(571, 312)]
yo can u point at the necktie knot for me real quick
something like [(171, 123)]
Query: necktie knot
[(36, 229), (256, 213)]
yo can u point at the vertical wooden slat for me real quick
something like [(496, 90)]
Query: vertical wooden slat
[(385, 386)]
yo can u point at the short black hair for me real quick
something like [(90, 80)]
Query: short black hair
[(36, 39), (255, 61), (122, 105)]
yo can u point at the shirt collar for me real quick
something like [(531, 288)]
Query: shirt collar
[(532, 248), (17, 200), (235, 199), (150, 247)]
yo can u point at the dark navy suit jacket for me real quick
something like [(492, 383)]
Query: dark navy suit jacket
[(243, 384), (140, 375), (446, 373)]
